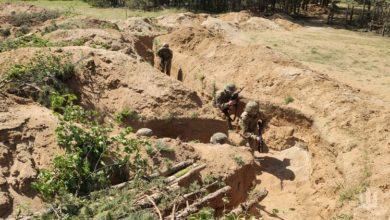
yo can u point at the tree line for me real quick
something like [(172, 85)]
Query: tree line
[(370, 14)]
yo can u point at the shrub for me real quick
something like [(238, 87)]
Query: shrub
[(41, 78), (24, 41), (5, 32), (27, 18), (88, 162), (52, 27), (126, 114)]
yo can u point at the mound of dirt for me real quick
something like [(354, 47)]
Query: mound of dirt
[(219, 25), (139, 26), (187, 19), (235, 17), (27, 144), (96, 38), (109, 81), (7, 9), (285, 21), (259, 24)]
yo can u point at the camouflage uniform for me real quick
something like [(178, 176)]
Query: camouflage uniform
[(222, 99), (249, 123), (166, 56)]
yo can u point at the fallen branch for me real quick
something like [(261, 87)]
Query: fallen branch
[(155, 207), (243, 207), (189, 174), (145, 203), (181, 201), (177, 167), (196, 206), (174, 179)]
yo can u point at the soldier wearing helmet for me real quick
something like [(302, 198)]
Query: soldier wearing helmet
[(224, 101), (165, 54), (250, 124)]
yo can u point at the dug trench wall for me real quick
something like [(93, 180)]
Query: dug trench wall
[(352, 126)]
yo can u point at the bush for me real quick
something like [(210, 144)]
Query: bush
[(40, 79), (105, 3), (24, 41), (28, 19), (125, 115), (5, 32), (89, 162)]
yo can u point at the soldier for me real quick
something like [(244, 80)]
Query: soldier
[(250, 123), (332, 10), (166, 56), (223, 101)]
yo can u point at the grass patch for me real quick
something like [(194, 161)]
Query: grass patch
[(150, 150), (350, 193), (101, 45), (83, 8), (239, 160), (24, 41), (288, 100)]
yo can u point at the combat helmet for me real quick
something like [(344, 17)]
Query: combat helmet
[(252, 107), (230, 87)]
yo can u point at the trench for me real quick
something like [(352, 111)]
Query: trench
[(285, 168), (186, 129)]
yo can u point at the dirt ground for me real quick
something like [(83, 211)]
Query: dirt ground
[(324, 147)]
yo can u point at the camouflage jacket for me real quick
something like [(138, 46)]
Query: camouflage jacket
[(165, 53), (222, 98), (248, 124)]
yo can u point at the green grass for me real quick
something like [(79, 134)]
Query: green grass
[(239, 160), (288, 100), (82, 8)]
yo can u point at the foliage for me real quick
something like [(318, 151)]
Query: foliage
[(288, 100), (105, 3), (89, 162), (150, 150), (239, 160), (41, 78), (99, 44), (27, 18), (204, 214), (125, 115), (5, 32), (58, 102), (23, 41)]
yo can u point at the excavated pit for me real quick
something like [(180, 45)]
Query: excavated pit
[(186, 129)]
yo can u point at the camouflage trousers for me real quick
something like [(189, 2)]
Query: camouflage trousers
[(165, 66)]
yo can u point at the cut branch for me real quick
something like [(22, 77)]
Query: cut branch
[(243, 207), (196, 206)]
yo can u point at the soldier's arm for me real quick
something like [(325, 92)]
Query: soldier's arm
[(219, 100)]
